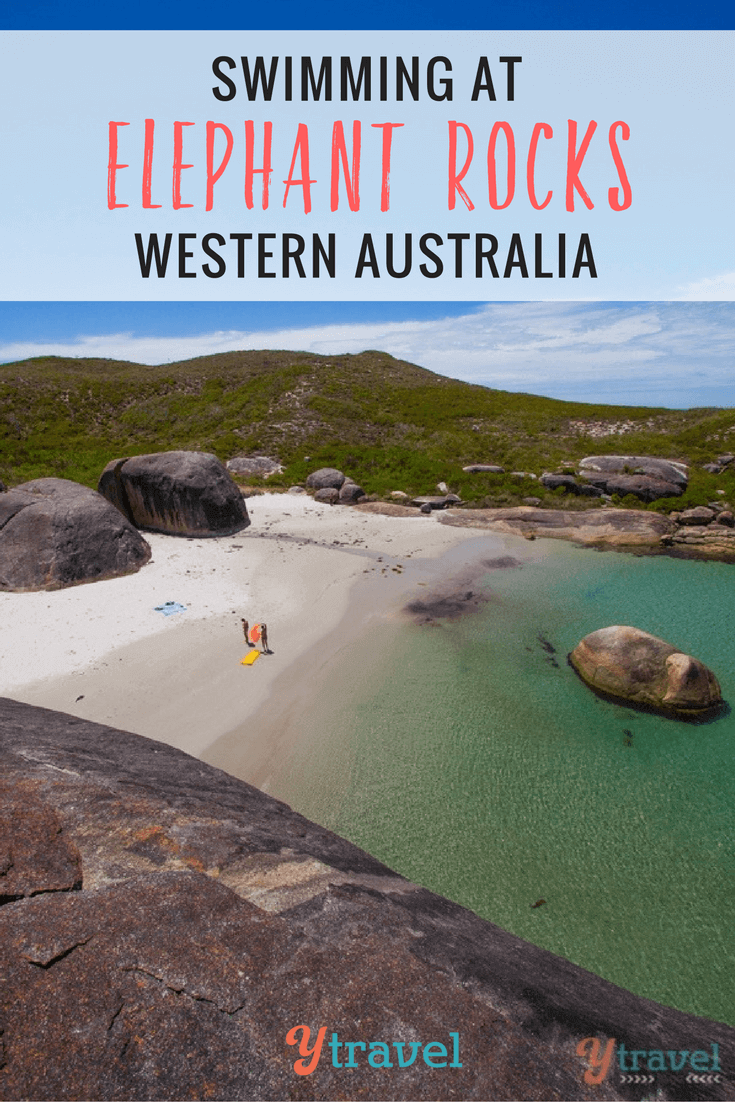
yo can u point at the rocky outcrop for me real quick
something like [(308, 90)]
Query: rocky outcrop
[(560, 481), (640, 485), (706, 532), (647, 477), (667, 470), (596, 527), (55, 533), (487, 468), (436, 502), (722, 463), (700, 514), (631, 665), (180, 493), (334, 487), (569, 484), (350, 492), (619, 528), (248, 466), (176, 924), (325, 478), (388, 509)]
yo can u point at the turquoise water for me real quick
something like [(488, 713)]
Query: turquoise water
[(473, 761)]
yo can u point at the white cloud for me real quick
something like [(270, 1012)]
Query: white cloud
[(720, 288)]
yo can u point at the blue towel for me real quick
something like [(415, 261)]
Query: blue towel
[(170, 607)]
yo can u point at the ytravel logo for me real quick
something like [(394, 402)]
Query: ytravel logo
[(374, 1054), (640, 1065)]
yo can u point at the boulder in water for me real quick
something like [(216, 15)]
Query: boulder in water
[(631, 665)]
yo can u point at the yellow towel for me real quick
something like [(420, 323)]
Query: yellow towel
[(250, 657)]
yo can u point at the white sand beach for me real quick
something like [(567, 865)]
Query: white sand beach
[(316, 574)]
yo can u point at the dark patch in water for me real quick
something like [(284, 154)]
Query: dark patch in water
[(452, 597), (503, 563), (546, 645), (446, 606)]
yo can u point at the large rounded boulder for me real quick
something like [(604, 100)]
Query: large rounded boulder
[(633, 666), (326, 478), (180, 493), (55, 533)]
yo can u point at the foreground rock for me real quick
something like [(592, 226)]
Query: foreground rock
[(55, 533), (168, 925), (180, 493), (595, 527), (631, 665)]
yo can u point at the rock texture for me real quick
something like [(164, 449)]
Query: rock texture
[(630, 664), (55, 533), (569, 484), (596, 527), (181, 493), (647, 477), (168, 925), (248, 465), (436, 502), (722, 463), (325, 478), (667, 470), (329, 495), (350, 492), (700, 514)]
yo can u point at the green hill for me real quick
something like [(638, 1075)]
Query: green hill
[(388, 423)]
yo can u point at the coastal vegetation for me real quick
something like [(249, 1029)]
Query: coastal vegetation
[(390, 424)]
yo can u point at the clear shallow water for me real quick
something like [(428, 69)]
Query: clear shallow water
[(460, 755)]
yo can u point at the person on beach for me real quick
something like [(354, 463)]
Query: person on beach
[(259, 634), (245, 630)]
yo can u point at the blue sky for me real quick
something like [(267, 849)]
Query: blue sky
[(675, 354)]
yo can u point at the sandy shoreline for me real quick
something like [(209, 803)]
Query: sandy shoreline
[(316, 574)]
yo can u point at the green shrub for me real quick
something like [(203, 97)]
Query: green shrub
[(387, 423)]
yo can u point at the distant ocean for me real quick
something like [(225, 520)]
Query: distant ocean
[(468, 756)]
